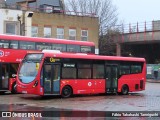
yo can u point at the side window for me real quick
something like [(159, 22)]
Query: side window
[(66, 73), (136, 69), (4, 44), (69, 71), (14, 44), (94, 50), (61, 47), (27, 45), (73, 48), (124, 69), (42, 46), (84, 71), (98, 71), (86, 49)]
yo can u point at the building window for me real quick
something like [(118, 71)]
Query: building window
[(47, 32), (49, 9), (34, 31), (12, 28), (57, 9), (60, 33), (84, 35), (72, 34)]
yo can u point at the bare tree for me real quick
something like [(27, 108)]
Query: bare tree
[(104, 9), (108, 18)]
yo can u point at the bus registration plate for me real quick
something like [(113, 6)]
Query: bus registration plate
[(24, 91)]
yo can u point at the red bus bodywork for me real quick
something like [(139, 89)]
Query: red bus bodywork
[(11, 57), (134, 81)]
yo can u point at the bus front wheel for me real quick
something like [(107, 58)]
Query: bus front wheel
[(66, 91), (124, 90), (14, 90)]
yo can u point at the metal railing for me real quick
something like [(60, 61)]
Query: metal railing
[(139, 27), (45, 10)]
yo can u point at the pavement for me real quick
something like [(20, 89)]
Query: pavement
[(153, 81)]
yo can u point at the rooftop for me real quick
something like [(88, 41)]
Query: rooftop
[(44, 6)]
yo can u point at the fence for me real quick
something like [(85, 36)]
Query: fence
[(138, 32)]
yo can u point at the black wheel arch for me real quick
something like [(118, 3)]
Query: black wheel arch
[(13, 91), (124, 89)]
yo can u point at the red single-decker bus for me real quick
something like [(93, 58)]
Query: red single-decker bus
[(65, 74)]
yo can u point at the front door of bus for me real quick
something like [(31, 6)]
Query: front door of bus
[(4, 76), (111, 78), (51, 78)]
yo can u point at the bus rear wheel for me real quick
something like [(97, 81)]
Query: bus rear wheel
[(14, 90), (124, 90), (66, 91)]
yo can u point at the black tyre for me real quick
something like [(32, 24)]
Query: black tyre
[(124, 90), (2, 92), (66, 91), (14, 90)]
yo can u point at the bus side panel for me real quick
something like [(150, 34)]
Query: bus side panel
[(14, 55), (79, 86), (100, 85), (85, 86), (144, 74), (133, 81)]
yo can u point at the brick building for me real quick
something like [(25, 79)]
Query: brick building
[(65, 27)]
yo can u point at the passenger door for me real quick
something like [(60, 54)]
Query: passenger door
[(111, 78), (4, 76), (51, 79)]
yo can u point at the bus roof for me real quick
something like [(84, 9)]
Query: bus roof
[(93, 57), (46, 40)]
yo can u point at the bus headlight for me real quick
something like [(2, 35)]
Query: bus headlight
[(35, 84)]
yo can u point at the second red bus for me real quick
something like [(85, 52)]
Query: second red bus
[(13, 49)]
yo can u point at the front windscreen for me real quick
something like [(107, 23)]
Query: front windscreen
[(29, 68)]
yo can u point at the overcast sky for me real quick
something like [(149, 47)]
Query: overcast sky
[(133, 11)]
